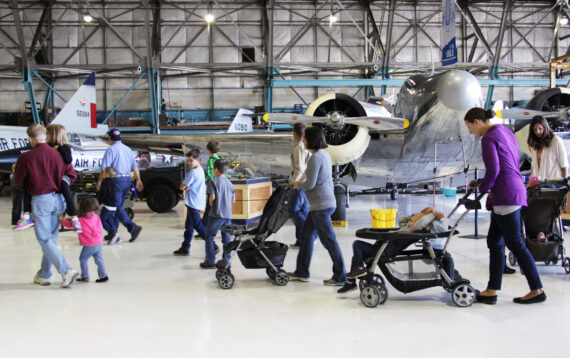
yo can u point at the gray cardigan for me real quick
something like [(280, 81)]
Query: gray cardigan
[(319, 184)]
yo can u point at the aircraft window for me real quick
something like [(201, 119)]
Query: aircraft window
[(74, 139)]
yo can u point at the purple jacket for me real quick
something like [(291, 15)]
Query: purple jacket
[(502, 173)]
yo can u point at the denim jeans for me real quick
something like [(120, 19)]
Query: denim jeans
[(299, 212), (506, 230), (109, 221), (122, 189), (214, 225), (45, 211), (97, 253), (193, 222), (319, 223)]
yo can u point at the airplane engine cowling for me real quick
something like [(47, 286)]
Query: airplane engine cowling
[(349, 142)]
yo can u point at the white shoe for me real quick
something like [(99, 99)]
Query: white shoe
[(69, 278), (41, 281)]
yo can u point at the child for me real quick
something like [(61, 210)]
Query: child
[(107, 199), (195, 187), (57, 138), (213, 148), (428, 219), (91, 238), (221, 195)]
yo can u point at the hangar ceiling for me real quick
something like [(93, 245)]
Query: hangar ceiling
[(249, 43)]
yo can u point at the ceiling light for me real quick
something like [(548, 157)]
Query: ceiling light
[(209, 18), (563, 21), (87, 18), (333, 19)]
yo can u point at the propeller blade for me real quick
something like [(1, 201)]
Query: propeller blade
[(379, 123), (525, 114), (290, 118)]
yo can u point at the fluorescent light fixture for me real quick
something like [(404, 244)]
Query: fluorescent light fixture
[(333, 19), (209, 18), (87, 18), (563, 21)]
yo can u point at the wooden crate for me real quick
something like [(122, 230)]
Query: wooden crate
[(251, 196)]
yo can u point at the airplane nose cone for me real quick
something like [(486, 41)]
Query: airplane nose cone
[(459, 90)]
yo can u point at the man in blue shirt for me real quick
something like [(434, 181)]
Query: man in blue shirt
[(121, 157)]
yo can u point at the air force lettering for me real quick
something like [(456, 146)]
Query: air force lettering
[(449, 54)]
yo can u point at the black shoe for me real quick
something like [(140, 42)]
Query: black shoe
[(181, 252), (356, 272), (102, 279), (509, 271), (107, 237), (348, 286), (135, 234), (488, 300), (216, 249), (536, 299), (207, 265)]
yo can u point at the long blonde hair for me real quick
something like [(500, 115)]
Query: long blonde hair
[(58, 135)]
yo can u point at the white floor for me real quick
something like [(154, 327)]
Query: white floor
[(159, 305)]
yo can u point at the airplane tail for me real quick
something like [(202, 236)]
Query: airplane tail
[(79, 115), (242, 122)]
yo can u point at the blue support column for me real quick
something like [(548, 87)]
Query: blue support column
[(29, 86)]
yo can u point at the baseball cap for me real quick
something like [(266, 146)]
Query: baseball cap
[(114, 134)]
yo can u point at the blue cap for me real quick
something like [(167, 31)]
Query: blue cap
[(114, 134)]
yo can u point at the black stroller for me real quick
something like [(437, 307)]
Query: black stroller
[(416, 268), (251, 246), (545, 200)]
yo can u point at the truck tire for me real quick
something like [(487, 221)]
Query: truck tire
[(161, 198)]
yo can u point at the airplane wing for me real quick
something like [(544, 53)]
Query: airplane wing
[(377, 123)]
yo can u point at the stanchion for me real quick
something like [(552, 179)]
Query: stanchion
[(476, 234)]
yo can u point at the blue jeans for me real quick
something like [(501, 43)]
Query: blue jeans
[(122, 189), (299, 212), (45, 211), (319, 223), (109, 221), (214, 225), (193, 222), (506, 230), (97, 253)]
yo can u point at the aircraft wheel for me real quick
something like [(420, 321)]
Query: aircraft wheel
[(161, 198), (394, 194), (512, 259)]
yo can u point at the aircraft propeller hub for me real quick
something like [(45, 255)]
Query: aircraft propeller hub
[(336, 118)]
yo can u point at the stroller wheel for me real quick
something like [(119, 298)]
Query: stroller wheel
[(220, 272), (226, 280), (281, 278), (373, 295), (463, 295), (566, 264), (270, 273), (376, 279), (512, 259)]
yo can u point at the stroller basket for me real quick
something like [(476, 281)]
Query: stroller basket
[(543, 250), (251, 258)]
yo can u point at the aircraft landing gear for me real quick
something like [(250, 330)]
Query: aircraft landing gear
[(394, 194), (338, 217)]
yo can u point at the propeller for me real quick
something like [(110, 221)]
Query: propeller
[(527, 114), (337, 119)]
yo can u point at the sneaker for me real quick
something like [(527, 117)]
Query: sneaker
[(294, 277), (181, 252), (207, 265), (102, 279), (115, 240), (23, 224), (76, 225), (356, 272), (135, 234), (41, 281), (83, 279), (68, 278), (332, 282), (348, 286)]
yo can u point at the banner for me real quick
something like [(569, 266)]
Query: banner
[(449, 53)]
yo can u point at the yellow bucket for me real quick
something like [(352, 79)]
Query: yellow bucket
[(383, 218)]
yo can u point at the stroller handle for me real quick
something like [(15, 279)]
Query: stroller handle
[(470, 204)]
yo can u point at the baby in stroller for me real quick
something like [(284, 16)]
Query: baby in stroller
[(427, 220)]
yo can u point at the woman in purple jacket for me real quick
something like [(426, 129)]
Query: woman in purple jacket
[(503, 179)]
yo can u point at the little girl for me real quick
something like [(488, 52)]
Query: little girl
[(57, 138), (91, 238)]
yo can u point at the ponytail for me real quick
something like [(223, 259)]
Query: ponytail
[(480, 114)]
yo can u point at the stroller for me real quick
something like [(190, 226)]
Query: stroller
[(416, 268), (542, 214), (251, 246)]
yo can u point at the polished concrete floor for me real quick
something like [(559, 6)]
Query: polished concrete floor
[(159, 305)]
